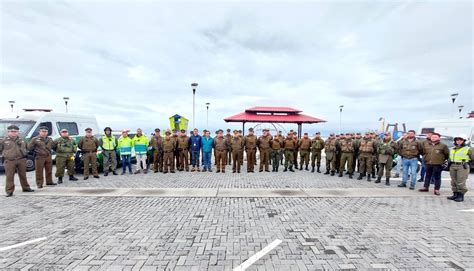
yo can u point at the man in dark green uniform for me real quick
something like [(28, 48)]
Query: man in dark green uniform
[(330, 148), (276, 145), (88, 145), (385, 151), (41, 147), (317, 145), (13, 150), (347, 154), (65, 149), (304, 146), (366, 149), (289, 145)]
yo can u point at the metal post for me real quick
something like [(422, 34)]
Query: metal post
[(194, 108)]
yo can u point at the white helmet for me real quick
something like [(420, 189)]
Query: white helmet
[(462, 136)]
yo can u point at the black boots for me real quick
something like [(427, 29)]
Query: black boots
[(360, 176), (460, 197), (327, 172), (319, 171), (301, 167), (60, 179), (457, 197), (291, 169), (312, 170), (387, 181), (368, 178), (306, 168), (285, 170), (379, 179), (454, 196), (333, 173), (340, 174), (72, 178)]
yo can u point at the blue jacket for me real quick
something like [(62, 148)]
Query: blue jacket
[(195, 143), (207, 144)]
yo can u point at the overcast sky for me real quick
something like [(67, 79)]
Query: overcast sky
[(131, 63)]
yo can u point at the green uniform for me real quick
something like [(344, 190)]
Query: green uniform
[(65, 149), (304, 146), (289, 145), (330, 151), (347, 155), (385, 152), (366, 152), (317, 145), (276, 144)]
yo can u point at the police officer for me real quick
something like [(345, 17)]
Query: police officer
[(317, 145), (347, 154), (304, 145), (385, 151), (41, 147), (168, 146), (13, 149), (289, 145), (155, 143), (109, 143), (263, 144), (88, 145), (183, 146), (65, 148), (330, 147), (221, 146), (237, 146), (459, 157), (250, 143), (366, 150), (276, 144)]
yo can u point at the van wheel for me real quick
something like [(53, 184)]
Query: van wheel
[(30, 163)]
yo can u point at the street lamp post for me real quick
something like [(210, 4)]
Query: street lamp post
[(453, 99), (194, 86), (340, 118), (460, 109), (11, 104), (207, 115), (66, 100)]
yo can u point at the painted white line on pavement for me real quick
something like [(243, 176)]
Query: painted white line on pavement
[(467, 210), (23, 244), (258, 255)]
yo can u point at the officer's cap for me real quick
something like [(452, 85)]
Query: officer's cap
[(318, 133), (157, 130), (250, 129), (220, 131), (64, 131), (88, 130), (236, 131), (331, 134), (44, 128), (13, 128), (228, 130), (168, 132), (266, 130), (305, 133)]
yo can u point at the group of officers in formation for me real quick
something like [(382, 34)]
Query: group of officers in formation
[(369, 155)]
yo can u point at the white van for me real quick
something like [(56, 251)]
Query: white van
[(449, 127), (31, 119)]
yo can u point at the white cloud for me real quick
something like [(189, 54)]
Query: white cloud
[(142, 75)]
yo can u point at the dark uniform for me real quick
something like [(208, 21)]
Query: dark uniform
[(317, 145), (237, 146), (304, 146), (289, 145), (263, 144), (228, 138), (330, 151), (88, 146), (385, 151), (65, 149), (276, 144), (41, 148), (183, 150), (366, 150), (156, 142), (14, 152), (347, 154), (168, 146), (250, 143), (221, 146)]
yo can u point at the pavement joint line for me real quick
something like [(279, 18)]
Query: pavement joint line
[(23, 244), (258, 255), (467, 210)]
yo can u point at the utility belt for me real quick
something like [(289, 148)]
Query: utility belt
[(459, 163)]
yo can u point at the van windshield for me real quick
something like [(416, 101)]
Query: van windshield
[(25, 126)]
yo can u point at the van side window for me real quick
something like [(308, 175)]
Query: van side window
[(427, 130), (70, 126), (47, 124)]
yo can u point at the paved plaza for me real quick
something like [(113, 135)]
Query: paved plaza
[(210, 221)]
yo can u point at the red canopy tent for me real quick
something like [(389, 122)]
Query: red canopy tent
[(273, 115)]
